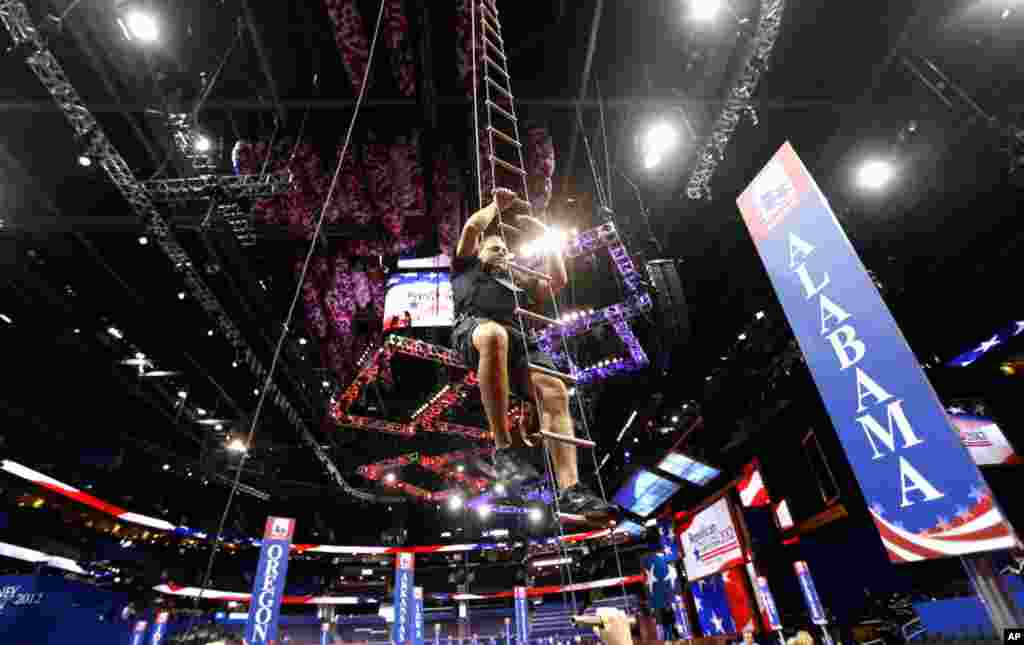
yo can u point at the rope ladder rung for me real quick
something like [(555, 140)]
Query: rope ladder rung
[(564, 438), (526, 313), (502, 90), (507, 166), (490, 61)]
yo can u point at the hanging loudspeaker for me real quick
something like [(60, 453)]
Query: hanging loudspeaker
[(673, 314)]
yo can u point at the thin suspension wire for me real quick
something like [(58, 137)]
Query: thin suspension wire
[(598, 184), (291, 312), (604, 136)]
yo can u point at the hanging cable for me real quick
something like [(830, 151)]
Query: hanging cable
[(291, 313), (607, 155)]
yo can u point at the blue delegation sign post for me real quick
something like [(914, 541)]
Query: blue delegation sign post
[(268, 588), (924, 493)]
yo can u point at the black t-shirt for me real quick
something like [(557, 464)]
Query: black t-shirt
[(478, 293)]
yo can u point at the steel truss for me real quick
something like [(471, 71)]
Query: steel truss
[(739, 101), (29, 42)]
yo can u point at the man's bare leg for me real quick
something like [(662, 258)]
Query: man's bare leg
[(491, 341), (555, 418)]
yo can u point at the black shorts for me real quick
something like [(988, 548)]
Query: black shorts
[(462, 343)]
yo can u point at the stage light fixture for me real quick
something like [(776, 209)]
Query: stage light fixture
[(759, 315), (326, 384), (202, 144), (236, 445), (7, 319), (455, 502), (181, 295), (875, 174), (143, 240), (483, 510), (167, 466), (536, 515), (138, 23), (84, 161), (115, 332), (201, 412), (389, 478), (705, 10), (209, 332), (499, 489), (182, 394), (218, 427), (303, 341), (659, 139)]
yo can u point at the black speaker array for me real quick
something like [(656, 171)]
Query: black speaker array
[(671, 310)]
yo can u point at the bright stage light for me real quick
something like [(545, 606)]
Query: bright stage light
[(202, 144), (390, 478), (84, 161), (705, 9), (484, 510), (659, 139), (536, 515), (237, 445), (551, 242), (140, 25), (875, 174), (499, 489)]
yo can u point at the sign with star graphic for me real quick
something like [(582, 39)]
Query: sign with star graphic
[(912, 468), (710, 543)]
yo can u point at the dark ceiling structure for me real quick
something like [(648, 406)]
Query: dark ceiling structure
[(136, 365)]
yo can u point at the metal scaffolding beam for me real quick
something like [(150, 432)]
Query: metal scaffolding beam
[(29, 43)]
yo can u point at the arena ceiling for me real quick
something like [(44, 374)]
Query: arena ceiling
[(841, 88)]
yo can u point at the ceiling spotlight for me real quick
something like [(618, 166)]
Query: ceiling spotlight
[(237, 445), (255, 391), (202, 144), (455, 502), (138, 24), (182, 394), (201, 412), (143, 240), (209, 332), (704, 10), (84, 161), (181, 295), (460, 468), (7, 319), (234, 363), (167, 466), (659, 139), (759, 315), (536, 515), (483, 510), (218, 427), (742, 337), (389, 478), (115, 332), (675, 419), (303, 341), (875, 174), (326, 384)]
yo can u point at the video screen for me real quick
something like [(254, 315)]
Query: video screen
[(691, 470), (645, 492), (419, 299), (631, 528)]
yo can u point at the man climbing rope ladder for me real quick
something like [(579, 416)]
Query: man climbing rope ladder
[(486, 335)]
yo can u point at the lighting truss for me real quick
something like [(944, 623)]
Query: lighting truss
[(239, 222), (739, 101), (185, 134), (41, 61), (204, 187)]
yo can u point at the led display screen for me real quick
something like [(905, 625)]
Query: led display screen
[(683, 467), (418, 299), (644, 492)]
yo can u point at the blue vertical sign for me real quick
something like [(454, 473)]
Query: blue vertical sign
[(402, 632), (325, 633), (159, 627), (682, 619), (139, 633), (522, 615), (508, 631), (418, 597), (814, 606), (771, 611), (925, 494), (268, 587)]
